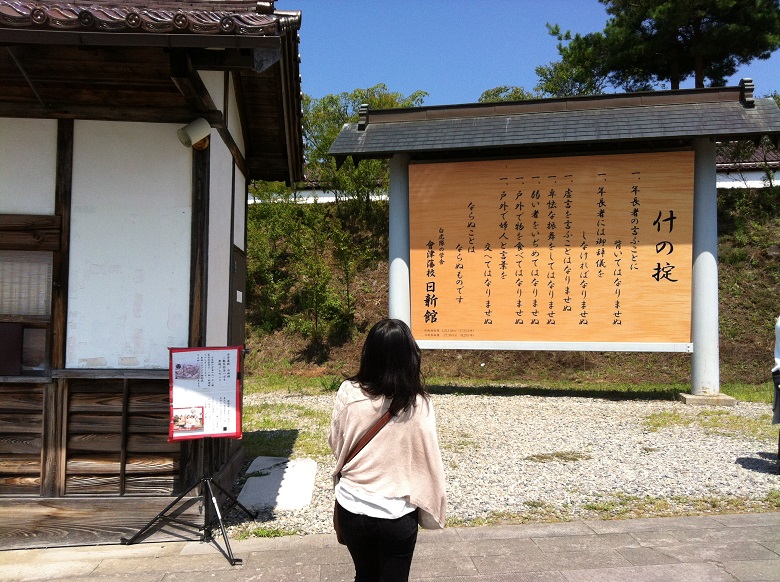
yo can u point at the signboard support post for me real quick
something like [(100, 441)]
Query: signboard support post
[(705, 364), (399, 304)]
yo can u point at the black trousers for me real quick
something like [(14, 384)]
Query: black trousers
[(381, 549)]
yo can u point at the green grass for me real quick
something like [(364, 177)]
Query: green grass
[(263, 383), (460, 442), (611, 391), (285, 430), (293, 430), (658, 420), (715, 421), (559, 456), (761, 393), (296, 431), (262, 532), (622, 506), (750, 392), (729, 424)]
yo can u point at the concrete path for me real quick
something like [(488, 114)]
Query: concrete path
[(740, 547)]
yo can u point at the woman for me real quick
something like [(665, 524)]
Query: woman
[(397, 481)]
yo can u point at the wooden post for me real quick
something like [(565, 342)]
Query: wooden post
[(199, 247), (55, 397), (191, 466)]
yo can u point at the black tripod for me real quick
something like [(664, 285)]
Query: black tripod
[(208, 522)]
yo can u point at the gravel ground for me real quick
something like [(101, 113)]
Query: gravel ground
[(531, 458)]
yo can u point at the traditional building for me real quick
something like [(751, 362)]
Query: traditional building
[(758, 169), (129, 132)]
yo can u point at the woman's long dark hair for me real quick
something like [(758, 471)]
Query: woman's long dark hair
[(390, 365)]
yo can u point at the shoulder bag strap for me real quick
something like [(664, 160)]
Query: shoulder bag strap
[(366, 438)]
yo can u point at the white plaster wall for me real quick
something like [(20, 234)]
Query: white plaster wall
[(240, 195), (746, 179), (215, 85), (129, 292), (219, 222), (28, 165), (221, 196), (234, 120), (219, 242)]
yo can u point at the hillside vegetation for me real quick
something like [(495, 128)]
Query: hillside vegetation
[(318, 281)]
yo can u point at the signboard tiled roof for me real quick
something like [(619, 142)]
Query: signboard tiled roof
[(720, 113)]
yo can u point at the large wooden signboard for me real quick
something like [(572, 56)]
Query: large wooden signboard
[(205, 385), (585, 252)]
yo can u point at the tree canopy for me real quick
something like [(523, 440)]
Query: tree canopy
[(505, 93), (303, 258), (579, 72), (651, 42), (323, 119)]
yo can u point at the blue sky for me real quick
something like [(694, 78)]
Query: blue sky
[(452, 49)]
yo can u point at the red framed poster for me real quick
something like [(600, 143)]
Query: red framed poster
[(205, 393)]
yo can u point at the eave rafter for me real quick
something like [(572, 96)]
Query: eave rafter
[(104, 113), (194, 91), (189, 83)]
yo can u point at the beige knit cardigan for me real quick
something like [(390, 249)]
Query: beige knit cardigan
[(402, 460)]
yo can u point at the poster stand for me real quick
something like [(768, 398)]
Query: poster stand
[(205, 401), (208, 525)]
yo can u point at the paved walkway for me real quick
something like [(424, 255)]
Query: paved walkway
[(744, 547)]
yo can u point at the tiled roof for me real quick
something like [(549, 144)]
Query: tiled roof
[(212, 17), (759, 158), (667, 115), (141, 61)]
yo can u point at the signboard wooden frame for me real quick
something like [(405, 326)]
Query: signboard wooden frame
[(560, 253), (205, 392)]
